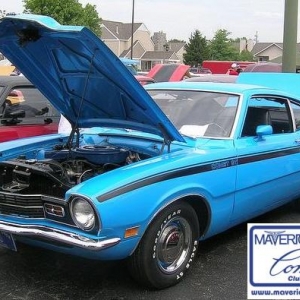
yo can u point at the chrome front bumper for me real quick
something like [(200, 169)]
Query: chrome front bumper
[(64, 237)]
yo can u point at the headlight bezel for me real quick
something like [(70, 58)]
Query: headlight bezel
[(74, 201)]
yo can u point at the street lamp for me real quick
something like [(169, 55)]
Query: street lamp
[(132, 22)]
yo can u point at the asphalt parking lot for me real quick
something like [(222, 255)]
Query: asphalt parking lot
[(220, 272)]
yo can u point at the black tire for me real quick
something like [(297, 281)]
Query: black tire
[(167, 249)]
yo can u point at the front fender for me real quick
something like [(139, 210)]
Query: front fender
[(138, 207), (133, 195)]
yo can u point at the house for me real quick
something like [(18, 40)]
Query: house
[(268, 51), (278, 60), (164, 52), (117, 36), (178, 48), (151, 58)]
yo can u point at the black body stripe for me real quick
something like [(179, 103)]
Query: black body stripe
[(196, 169), (268, 155)]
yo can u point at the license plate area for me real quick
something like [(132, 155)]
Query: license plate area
[(7, 241)]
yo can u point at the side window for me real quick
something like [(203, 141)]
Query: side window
[(26, 105), (267, 111), (296, 114)]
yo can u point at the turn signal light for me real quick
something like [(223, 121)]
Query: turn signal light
[(130, 232)]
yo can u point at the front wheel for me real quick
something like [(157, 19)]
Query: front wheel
[(167, 248)]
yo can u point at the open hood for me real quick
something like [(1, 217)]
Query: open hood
[(168, 72), (80, 75)]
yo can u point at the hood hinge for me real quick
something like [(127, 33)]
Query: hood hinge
[(167, 139)]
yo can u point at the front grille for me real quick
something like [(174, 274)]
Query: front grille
[(26, 206)]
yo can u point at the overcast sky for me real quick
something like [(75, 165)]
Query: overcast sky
[(180, 18)]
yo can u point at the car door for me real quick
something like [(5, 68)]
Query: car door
[(25, 113), (268, 166)]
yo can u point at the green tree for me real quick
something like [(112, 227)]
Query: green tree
[(176, 41), (196, 49), (222, 47), (246, 55), (66, 12)]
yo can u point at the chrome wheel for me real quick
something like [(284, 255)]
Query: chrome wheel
[(173, 244), (168, 247)]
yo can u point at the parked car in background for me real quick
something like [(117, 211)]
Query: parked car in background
[(154, 170), (169, 72), (213, 78), (131, 65), (24, 111), (199, 70), (222, 67), (264, 67), (143, 79)]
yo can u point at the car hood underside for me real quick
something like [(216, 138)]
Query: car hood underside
[(80, 75)]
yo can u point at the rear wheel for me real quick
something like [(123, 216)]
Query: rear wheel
[(168, 247)]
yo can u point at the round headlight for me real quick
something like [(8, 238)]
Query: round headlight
[(83, 214)]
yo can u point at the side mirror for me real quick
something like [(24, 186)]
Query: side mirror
[(262, 130)]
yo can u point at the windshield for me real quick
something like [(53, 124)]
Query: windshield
[(198, 113)]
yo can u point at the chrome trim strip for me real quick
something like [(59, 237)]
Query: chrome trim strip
[(64, 237)]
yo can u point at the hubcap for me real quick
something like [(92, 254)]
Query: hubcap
[(173, 244)]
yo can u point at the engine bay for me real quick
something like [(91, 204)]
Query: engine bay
[(59, 170)]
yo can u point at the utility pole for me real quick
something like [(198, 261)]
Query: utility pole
[(256, 37), (132, 28), (289, 53)]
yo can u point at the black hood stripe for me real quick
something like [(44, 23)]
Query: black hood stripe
[(196, 169)]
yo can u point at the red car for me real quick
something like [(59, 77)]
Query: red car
[(199, 70), (143, 80), (24, 111), (169, 72), (131, 65)]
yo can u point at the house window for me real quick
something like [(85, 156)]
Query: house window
[(263, 58), (148, 65)]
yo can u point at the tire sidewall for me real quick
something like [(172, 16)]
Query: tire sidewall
[(158, 277)]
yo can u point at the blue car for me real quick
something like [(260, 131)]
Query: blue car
[(146, 174)]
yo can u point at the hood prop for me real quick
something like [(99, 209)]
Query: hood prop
[(75, 129), (74, 133)]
